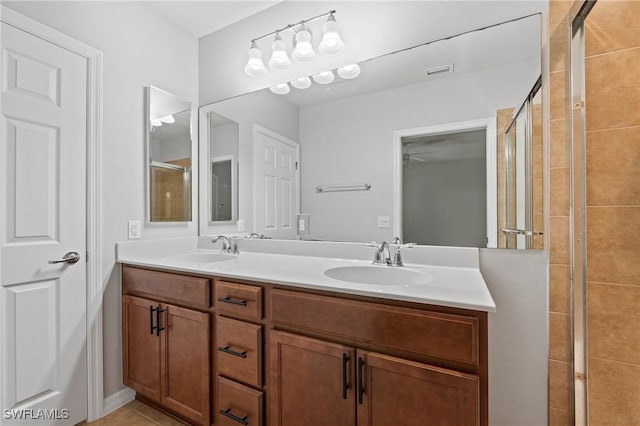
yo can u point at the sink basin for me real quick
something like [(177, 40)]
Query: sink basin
[(203, 257), (378, 275)]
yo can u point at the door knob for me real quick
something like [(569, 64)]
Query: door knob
[(70, 258)]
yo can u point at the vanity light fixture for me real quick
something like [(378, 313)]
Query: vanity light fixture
[(301, 83), (349, 71), (168, 119), (324, 77), (280, 89), (156, 122), (303, 50), (279, 58)]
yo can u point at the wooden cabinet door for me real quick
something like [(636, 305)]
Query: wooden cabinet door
[(394, 391), (185, 361), (312, 382), (140, 347)]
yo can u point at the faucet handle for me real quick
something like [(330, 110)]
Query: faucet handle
[(397, 257)]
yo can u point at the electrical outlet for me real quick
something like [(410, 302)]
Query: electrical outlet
[(384, 222), (303, 224), (135, 230), (240, 225)]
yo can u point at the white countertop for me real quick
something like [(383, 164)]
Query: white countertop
[(453, 286)]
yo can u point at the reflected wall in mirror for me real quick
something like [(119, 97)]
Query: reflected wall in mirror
[(169, 155), (223, 154), (348, 130)]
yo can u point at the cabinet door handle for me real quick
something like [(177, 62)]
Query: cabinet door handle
[(233, 301), (152, 327), (228, 413), (227, 349), (345, 381), (360, 379), (158, 316)]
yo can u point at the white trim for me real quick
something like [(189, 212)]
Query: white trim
[(94, 197), (489, 124), (293, 144), (117, 400)]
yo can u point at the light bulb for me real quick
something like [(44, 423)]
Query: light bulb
[(279, 58), (255, 67), (168, 119), (303, 51), (349, 71), (280, 89), (156, 122), (324, 77), (301, 83), (331, 43)]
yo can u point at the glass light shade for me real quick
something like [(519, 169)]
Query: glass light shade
[(324, 77), (303, 51), (156, 122), (301, 83), (279, 58), (280, 89), (331, 43), (349, 71), (168, 119), (255, 67)]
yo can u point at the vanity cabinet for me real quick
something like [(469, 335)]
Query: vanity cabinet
[(166, 348)]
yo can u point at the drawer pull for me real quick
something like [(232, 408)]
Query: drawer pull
[(233, 301), (360, 379), (152, 327), (345, 383), (158, 317), (228, 413), (228, 350)]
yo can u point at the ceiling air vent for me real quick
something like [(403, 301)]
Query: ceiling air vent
[(444, 69)]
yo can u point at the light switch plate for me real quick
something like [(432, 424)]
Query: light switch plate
[(384, 222), (135, 230), (240, 225)]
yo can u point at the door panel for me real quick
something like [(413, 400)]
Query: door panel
[(141, 346), (307, 382), (185, 362), (43, 201), (276, 177), (401, 392)]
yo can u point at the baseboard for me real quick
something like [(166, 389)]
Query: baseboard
[(117, 400)]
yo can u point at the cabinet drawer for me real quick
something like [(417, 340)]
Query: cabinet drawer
[(238, 404), (238, 299), (434, 334), (239, 350), (165, 286)]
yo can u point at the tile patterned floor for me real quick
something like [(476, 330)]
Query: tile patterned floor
[(135, 413)]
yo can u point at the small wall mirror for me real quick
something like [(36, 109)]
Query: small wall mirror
[(169, 156)]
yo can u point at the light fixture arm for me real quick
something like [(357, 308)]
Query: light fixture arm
[(292, 26)]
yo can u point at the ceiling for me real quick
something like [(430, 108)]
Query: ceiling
[(200, 18)]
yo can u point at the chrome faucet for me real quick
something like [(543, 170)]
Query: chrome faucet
[(253, 235), (229, 246), (382, 255)]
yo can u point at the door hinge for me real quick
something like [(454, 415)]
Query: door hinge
[(86, 256), (296, 165)]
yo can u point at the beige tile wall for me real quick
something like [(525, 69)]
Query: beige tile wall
[(612, 70), (503, 120), (560, 366)]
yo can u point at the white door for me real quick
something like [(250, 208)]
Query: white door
[(276, 198), (43, 372)]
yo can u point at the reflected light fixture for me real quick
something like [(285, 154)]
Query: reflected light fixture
[(280, 89), (349, 71), (324, 77), (301, 83), (156, 122), (331, 43), (168, 119), (302, 51), (279, 58), (255, 67)]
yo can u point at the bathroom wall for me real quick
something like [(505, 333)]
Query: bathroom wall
[(140, 48), (612, 63), (356, 138), (398, 24)]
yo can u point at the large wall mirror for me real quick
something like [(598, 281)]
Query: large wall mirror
[(414, 147), (168, 133)]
